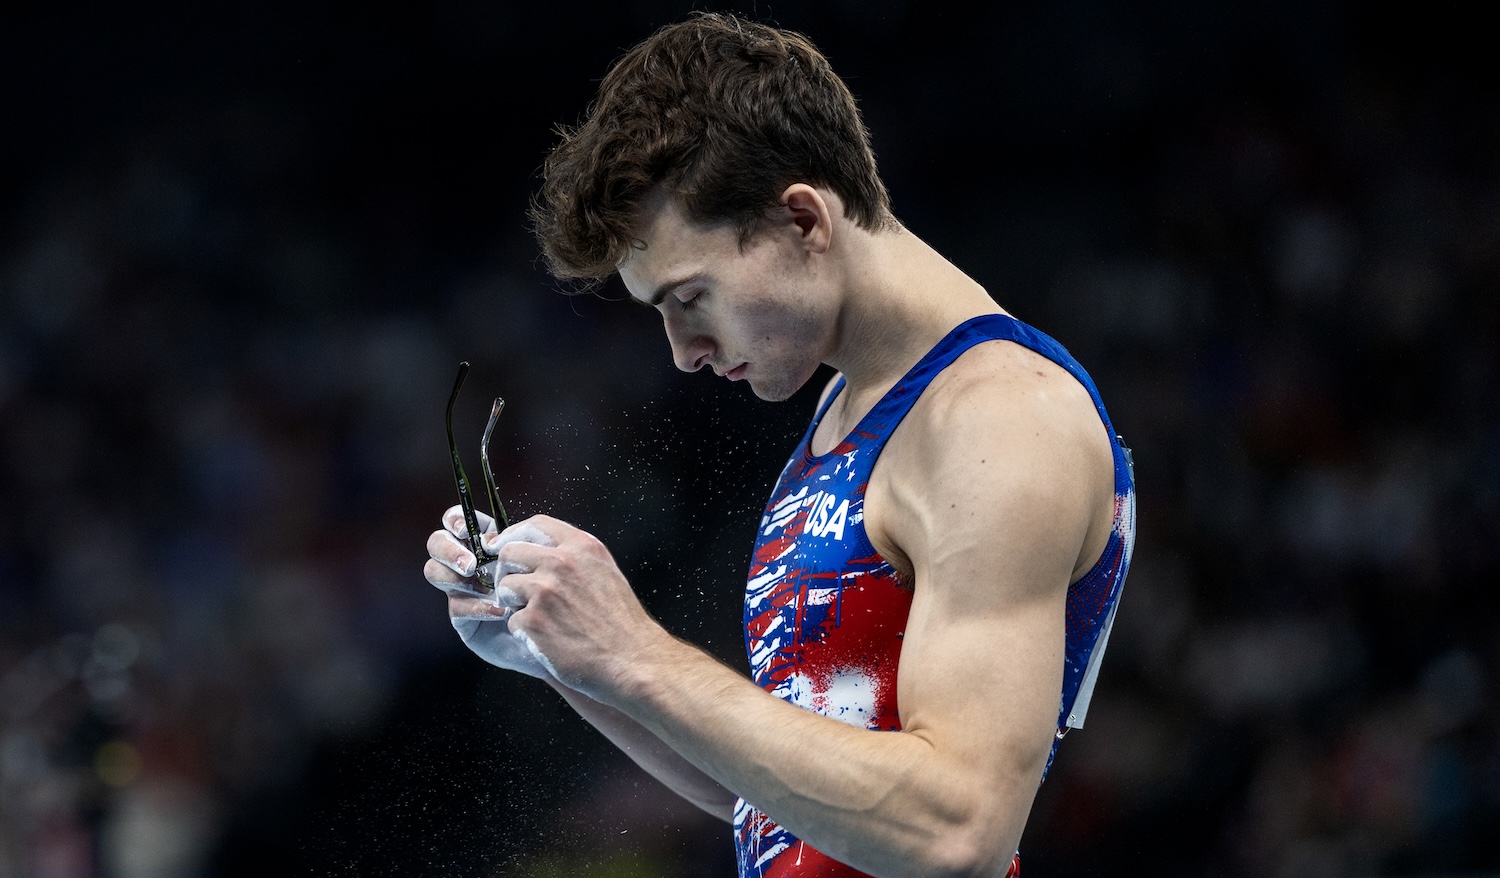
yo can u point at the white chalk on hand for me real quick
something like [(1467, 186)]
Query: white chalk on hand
[(524, 532), (490, 636)]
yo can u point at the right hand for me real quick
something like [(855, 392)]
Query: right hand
[(481, 619)]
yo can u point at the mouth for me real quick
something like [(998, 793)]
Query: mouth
[(737, 372)]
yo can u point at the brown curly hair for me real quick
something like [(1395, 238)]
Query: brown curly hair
[(722, 112)]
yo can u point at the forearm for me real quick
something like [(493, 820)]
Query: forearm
[(889, 803), (652, 754)]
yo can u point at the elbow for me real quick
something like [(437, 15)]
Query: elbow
[(970, 854), (981, 824), (721, 807), (978, 844)]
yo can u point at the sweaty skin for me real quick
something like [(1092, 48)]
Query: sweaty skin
[(993, 495)]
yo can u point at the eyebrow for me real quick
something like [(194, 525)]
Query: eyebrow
[(668, 288)]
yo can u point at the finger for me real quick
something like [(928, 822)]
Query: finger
[(453, 522), (512, 589), (556, 529), (462, 606), (515, 630), (439, 576), (445, 549), (463, 589), (520, 630), (518, 560), (523, 532)]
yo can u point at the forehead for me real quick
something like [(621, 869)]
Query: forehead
[(669, 246)]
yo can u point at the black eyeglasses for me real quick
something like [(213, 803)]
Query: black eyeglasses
[(465, 498)]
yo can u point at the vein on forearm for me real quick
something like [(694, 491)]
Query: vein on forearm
[(855, 794)]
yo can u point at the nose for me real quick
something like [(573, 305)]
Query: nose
[(691, 351)]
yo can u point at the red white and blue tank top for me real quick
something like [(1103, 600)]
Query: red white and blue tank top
[(825, 613)]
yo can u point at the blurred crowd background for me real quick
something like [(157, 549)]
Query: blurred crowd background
[(243, 248)]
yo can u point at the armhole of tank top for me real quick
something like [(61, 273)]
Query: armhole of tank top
[(1124, 532), (1085, 691), (1046, 346)]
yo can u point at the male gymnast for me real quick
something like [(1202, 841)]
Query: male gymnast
[(934, 579)]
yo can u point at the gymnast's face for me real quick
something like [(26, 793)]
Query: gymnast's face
[(758, 313)]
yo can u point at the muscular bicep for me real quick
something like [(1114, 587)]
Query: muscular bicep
[(982, 661), (991, 504)]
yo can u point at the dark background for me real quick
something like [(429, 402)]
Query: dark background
[(244, 246)]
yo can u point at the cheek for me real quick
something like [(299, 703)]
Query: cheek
[(792, 324)]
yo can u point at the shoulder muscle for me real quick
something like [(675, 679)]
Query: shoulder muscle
[(1004, 457)]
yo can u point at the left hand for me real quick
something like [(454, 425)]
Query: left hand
[(576, 612), (482, 620)]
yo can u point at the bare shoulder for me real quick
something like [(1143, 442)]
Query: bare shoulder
[(1003, 441), (1001, 385)]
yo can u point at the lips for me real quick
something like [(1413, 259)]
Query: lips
[(737, 372)]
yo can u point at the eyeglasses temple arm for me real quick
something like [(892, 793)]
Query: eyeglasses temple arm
[(497, 509), (471, 521)]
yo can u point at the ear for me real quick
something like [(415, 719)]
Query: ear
[(811, 214)]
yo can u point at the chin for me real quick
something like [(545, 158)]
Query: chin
[(776, 391)]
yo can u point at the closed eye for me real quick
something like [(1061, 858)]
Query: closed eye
[(690, 302)]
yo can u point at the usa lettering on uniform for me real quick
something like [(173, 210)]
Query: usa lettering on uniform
[(827, 516)]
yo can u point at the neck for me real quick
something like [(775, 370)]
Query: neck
[(899, 298)]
